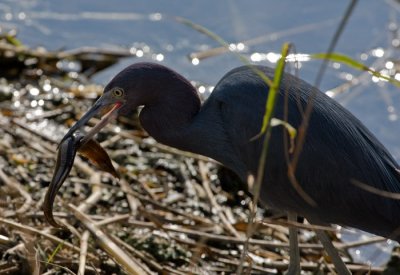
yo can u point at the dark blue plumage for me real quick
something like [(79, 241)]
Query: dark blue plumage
[(337, 148)]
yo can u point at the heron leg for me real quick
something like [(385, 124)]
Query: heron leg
[(340, 266), (294, 253)]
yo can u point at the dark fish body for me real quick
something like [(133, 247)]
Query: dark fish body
[(65, 159)]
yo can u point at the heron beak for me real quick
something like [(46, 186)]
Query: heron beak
[(101, 105)]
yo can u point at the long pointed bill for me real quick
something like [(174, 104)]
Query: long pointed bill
[(112, 114), (100, 105)]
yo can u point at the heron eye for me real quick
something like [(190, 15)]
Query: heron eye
[(118, 92)]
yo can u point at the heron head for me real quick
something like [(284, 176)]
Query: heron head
[(138, 84), (112, 100), (121, 95)]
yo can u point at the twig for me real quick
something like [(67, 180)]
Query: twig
[(214, 204), (170, 270), (371, 240), (161, 206), (262, 39), (138, 254), (144, 200), (11, 182), (267, 221), (86, 169), (190, 190), (112, 249), (151, 142), (24, 126), (83, 253), (376, 191), (221, 238), (133, 202), (309, 266), (114, 219), (64, 54), (94, 197), (50, 237), (302, 131), (67, 270)]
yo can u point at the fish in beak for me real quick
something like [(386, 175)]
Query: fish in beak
[(73, 142)]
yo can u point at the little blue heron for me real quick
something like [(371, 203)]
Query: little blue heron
[(338, 149)]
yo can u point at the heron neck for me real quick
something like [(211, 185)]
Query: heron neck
[(199, 130), (167, 114)]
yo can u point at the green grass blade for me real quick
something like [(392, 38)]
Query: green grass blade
[(51, 257), (274, 89), (352, 63), (13, 40), (289, 128), (269, 112), (225, 44)]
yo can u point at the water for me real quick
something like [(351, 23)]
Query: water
[(151, 28)]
